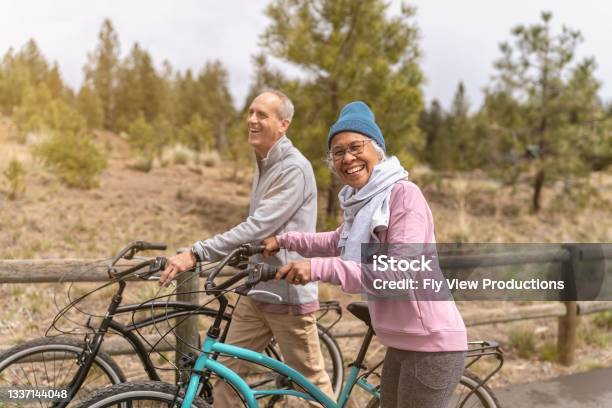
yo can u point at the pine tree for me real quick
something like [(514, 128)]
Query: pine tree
[(348, 50), (13, 82), (90, 107), (187, 96), (101, 70), (139, 87), (216, 101), (168, 94), (54, 82), (533, 90), (32, 59), (430, 123), (26, 69)]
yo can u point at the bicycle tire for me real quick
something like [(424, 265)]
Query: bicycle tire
[(336, 371), (483, 396), (158, 394), (52, 362)]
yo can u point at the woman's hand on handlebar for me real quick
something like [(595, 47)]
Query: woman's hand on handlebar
[(176, 264), (296, 273), (271, 245)]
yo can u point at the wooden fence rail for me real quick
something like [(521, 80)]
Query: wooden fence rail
[(570, 256), (473, 318)]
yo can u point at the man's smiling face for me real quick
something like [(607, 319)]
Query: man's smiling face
[(265, 125)]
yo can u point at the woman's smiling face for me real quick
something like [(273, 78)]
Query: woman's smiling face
[(355, 166)]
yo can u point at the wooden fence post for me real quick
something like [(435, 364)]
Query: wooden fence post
[(187, 336), (567, 334), (566, 339)]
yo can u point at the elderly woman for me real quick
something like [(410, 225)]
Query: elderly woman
[(426, 341)]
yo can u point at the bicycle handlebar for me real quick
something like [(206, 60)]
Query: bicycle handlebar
[(131, 249), (152, 245), (233, 258), (155, 265), (261, 272)]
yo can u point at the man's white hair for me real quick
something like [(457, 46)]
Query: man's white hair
[(286, 109)]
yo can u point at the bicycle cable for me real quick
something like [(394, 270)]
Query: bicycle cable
[(171, 329)]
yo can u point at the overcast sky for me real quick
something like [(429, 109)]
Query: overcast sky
[(459, 39)]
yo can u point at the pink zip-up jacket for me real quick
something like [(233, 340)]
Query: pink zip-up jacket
[(421, 325)]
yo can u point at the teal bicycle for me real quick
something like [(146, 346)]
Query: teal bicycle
[(471, 392)]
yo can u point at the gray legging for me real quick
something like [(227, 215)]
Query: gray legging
[(420, 379)]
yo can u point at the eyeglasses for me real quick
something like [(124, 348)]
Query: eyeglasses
[(354, 149)]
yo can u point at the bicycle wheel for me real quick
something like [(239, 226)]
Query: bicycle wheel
[(481, 397), (51, 362), (334, 362), (139, 394)]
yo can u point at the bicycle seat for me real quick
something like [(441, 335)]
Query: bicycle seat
[(360, 310)]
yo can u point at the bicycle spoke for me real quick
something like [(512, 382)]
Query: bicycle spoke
[(64, 371), (49, 363)]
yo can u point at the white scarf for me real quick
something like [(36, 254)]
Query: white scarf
[(367, 209)]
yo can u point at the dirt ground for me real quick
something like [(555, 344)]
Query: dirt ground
[(178, 204)]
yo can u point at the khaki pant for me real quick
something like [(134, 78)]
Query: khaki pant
[(297, 338)]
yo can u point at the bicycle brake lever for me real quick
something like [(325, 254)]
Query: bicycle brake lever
[(260, 272), (130, 254), (254, 275), (265, 292)]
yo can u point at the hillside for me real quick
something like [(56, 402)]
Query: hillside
[(179, 203)]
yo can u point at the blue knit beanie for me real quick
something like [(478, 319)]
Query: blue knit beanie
[(357, 117)]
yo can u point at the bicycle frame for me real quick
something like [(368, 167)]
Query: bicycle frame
[(174, 309), (92, 347), (212, 346), (171, 310)]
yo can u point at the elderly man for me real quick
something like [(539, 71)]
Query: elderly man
[(284, 198)]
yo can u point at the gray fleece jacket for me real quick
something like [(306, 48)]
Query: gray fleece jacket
[(284, 198)]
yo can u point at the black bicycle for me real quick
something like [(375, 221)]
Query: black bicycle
[(79, 366)]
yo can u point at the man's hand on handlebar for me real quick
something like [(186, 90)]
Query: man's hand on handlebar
[(271, 246), (176, 264), (296, 272)]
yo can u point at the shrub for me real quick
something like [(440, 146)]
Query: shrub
[(73, 157), (603, 320), (197, 134), (143, 163), (523, 340), (181, 157), (40, 112), (178, 154), (548, 351), (593, 336), (149, 139), (209, 158), (14, 174), (142, 136)]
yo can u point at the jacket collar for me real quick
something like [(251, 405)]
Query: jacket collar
[(276, 153)]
